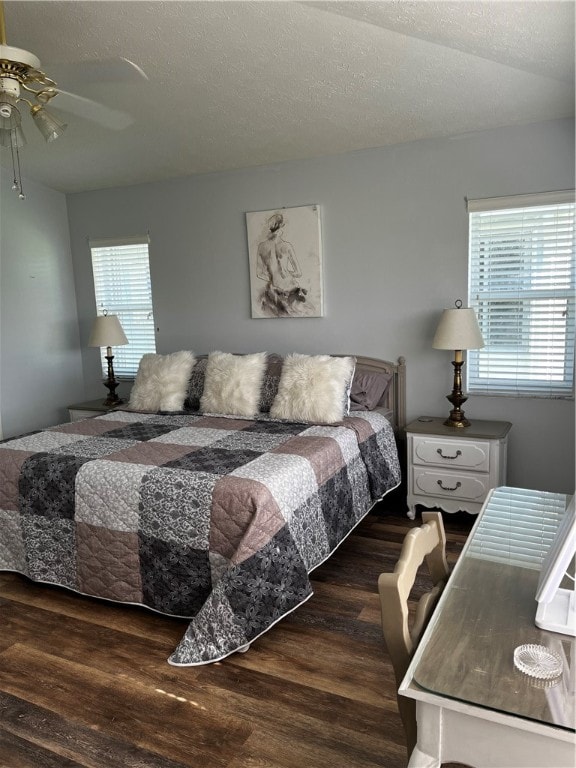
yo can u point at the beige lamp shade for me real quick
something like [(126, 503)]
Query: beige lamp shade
[(107, 332), (458, 329)]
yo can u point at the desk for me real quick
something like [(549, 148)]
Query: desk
[(472, 705)]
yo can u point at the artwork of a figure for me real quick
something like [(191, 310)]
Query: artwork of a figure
[(285, 269)]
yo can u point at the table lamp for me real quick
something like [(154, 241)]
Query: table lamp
[(107, 332), (458, 330)]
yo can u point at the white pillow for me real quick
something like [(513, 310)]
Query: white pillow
[(162, 382), (314, 388), (232, 383)]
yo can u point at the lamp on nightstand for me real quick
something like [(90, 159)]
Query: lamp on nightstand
[(458, 330), (107, 332)]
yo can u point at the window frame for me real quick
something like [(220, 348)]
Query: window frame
[(127, 301), (544, 363)]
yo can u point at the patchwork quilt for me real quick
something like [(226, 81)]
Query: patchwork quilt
[(212, 518)]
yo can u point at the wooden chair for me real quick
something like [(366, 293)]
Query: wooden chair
[(427, 542)]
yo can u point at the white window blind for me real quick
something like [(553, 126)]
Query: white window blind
[(521, 284), (518, 526), (122, 286)]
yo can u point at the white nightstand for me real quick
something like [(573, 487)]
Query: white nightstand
[(90, 408), (454, 468)]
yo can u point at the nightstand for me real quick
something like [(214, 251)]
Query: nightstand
[(454, 468), (90, 408)]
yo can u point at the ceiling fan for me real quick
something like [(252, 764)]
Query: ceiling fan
[(22, 82)]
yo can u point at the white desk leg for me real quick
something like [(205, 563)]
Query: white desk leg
[(428, 751), (420, 759)]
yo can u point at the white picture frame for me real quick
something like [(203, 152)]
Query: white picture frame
[(285, 257)]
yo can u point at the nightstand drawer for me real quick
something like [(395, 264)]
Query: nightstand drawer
[(450, 484), (444, 452)]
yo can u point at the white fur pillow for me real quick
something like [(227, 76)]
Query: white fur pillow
[(162, 382), (232, 383), (314, 388)]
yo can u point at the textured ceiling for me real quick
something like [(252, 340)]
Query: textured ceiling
[(238, 84)]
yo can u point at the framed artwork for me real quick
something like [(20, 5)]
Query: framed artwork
[(285, 254)]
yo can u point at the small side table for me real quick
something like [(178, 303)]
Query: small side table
[(454, 468), (89, 408)]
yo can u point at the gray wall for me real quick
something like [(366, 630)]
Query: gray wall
[(40, 362), (395, 253)]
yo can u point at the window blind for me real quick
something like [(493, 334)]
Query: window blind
[(122, 286), (521, 284), (518, 526)]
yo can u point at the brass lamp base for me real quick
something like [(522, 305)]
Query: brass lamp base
[(456, 418), (111, 383), (112, 398), (457, 398)]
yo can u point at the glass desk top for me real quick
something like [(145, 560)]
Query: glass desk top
[(488, 609)]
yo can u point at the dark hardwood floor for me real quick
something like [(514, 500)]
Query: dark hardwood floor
[(86, 683)]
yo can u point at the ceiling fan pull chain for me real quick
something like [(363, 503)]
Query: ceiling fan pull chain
[(16, 172), (12, 148), (21, 194)]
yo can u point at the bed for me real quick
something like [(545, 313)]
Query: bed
[(190, 510)]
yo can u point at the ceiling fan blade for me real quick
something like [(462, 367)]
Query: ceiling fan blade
[(113, 70), (114, 119)]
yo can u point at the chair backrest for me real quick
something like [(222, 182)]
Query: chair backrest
[(428, 542)]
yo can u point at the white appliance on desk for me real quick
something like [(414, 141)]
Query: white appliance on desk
[(557, 605)]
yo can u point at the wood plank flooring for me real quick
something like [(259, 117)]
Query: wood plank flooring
[(86, 684)]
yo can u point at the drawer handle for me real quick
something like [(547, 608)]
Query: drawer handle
[(446, 488), (444, 456)]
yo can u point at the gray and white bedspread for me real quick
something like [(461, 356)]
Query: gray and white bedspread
[(211, 518)]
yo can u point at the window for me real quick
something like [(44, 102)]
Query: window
[(122, 286), (521, 284)]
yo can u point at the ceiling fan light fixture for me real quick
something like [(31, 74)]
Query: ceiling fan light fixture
[(20, 71), (13, 138), (48, 125), (10, 116)]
